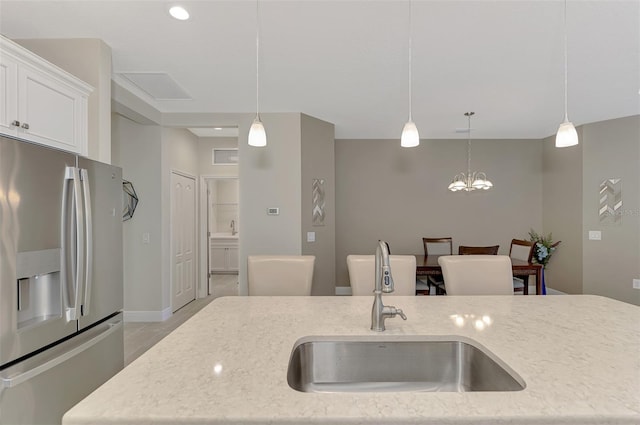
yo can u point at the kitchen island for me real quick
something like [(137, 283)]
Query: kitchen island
[(578, 355)]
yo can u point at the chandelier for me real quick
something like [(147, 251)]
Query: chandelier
[(471, 180)]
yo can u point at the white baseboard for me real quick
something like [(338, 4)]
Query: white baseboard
[(343, 290), (551, 291), (147, 316)]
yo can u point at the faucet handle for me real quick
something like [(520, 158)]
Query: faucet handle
[(400, 313)]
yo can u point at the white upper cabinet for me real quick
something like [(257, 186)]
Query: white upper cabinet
[(40, 102)]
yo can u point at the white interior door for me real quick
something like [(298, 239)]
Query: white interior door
[(183, 243)]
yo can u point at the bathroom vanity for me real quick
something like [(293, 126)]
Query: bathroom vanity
[(223, 253), (578, 358)]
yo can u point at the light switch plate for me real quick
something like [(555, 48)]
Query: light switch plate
[(595, 235), (311, 236), (146, 238), (636, 283)]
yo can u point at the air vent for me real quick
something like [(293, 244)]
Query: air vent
[(225, 156)]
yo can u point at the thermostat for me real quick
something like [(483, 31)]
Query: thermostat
[(273, 211)]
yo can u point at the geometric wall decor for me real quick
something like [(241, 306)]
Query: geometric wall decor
[(129, 200), (610, 209), (317, 197)]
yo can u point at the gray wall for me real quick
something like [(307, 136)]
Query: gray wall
[(205, 148), (400, 195), (89, 60), (270, 177), (137, 149), (572, 176), (562, 213), (611, 149), (183, 150), (318, 162)]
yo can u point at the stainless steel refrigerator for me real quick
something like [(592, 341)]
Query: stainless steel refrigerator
[(61, 330)]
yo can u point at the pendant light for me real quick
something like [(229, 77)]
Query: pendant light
[(472, 180), (410, 136), (257, 135), (566, 135)]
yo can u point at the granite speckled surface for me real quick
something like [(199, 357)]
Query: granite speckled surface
[(579, 356)]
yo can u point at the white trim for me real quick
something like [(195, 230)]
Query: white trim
[(551, 291), (343, 290), (147, 316)]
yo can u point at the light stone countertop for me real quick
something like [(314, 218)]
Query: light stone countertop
[(579, 356)]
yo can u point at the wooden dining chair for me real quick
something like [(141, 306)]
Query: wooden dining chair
[(521, 250), (478, 250), (477, 274), (362, 271), (434, 246)]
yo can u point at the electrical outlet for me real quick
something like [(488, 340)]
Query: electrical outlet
[(636, 283)]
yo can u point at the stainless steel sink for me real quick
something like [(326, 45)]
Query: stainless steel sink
[(352, 364)]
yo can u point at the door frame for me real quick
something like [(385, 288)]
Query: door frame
[(204, 289), (171, 236)]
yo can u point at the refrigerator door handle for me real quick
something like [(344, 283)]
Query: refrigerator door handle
[(88, 234), (76, 251), (103, 331)]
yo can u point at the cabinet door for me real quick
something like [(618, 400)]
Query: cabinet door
[(8, 95), (54, 113), (234, 262), (218, 258)]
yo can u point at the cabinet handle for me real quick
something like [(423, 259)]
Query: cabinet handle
[(25, 126), (15, 123)]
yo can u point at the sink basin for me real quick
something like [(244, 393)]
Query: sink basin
[(351, 364)]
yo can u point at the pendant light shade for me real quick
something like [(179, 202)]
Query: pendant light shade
[(410, 136), (566, 135), (257, 135)]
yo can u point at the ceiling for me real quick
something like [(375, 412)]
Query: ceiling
[(347, 62)]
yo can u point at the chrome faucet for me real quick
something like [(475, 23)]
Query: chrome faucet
[(384, 283), (233, 227)]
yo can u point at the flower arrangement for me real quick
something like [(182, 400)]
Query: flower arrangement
[(544, 247)]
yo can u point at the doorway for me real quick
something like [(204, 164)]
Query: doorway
[(183, 240), (223, 232)]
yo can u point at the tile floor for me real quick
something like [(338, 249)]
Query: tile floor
[(139, 336)]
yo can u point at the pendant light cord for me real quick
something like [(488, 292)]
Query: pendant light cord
[(410, 56), (468, 114), (566, 91), (257, 58)]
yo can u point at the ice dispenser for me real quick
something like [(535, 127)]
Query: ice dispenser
[(39, 290)]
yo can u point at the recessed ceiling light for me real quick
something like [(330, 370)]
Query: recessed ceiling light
[(179, 13)]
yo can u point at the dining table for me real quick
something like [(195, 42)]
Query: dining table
[(428, 265)]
